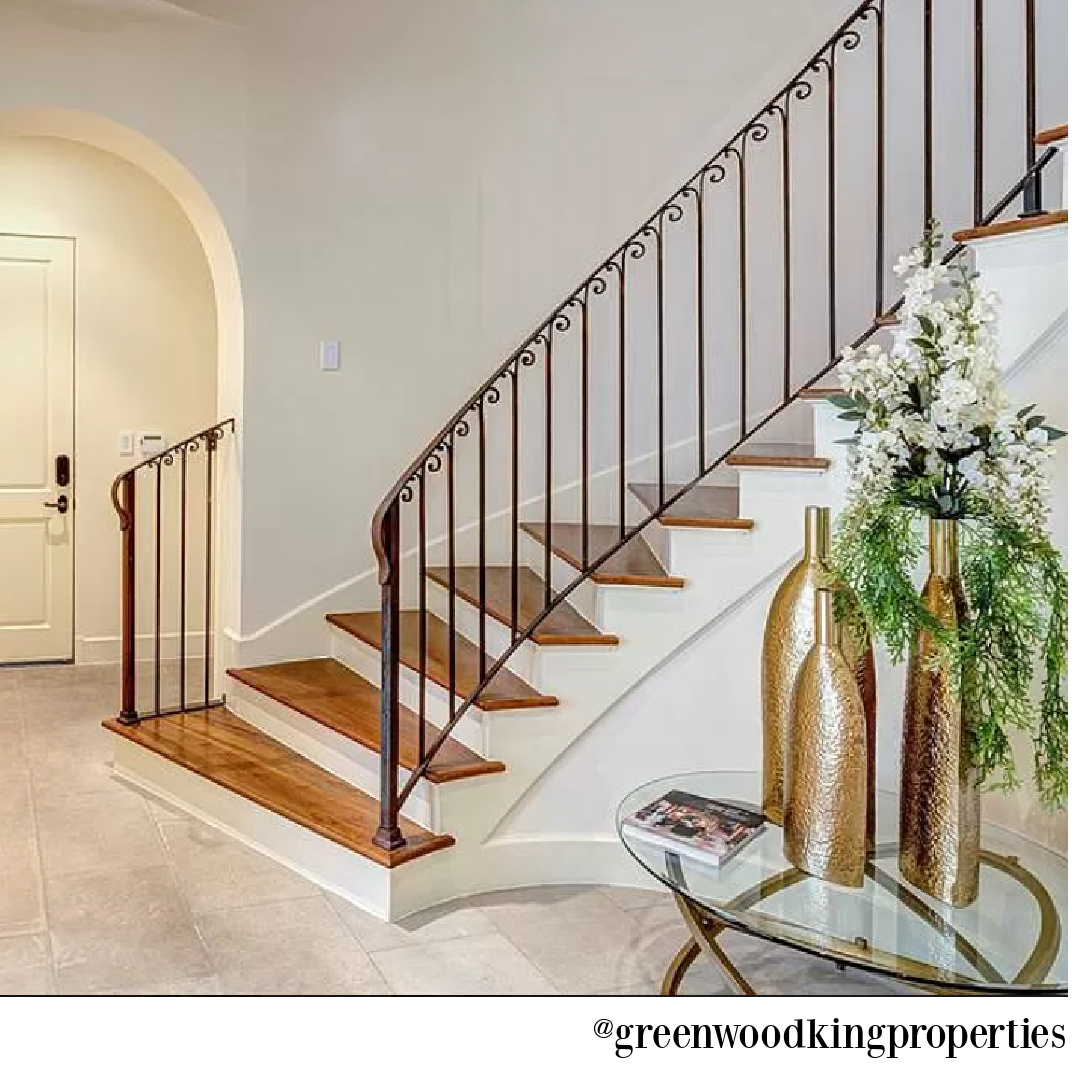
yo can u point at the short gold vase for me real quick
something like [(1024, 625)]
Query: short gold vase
[(939, 794), (825, 786), (789, 637)]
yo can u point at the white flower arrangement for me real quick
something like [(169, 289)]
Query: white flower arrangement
[(935, 435), (934, 426)]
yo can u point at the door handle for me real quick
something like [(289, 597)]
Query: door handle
[(61, 504)]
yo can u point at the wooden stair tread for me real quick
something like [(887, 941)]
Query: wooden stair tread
[(222, 748), (333, 695), (885, 321), (819, 393), (704, 506), (505, 691), (563, 626), (1017, 225), (777, 456), (1052, 135), (633, 564)]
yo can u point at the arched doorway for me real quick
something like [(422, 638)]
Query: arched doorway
[(49, 131)]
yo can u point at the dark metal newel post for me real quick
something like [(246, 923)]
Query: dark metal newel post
[(128, 712), (388, 835)]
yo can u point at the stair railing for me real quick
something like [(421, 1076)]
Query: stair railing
[(526, 386), (169, 606)]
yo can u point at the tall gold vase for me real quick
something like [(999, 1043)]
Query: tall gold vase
[(789, 637), (939, 795), (825, 787)]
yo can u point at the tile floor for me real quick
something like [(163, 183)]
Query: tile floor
[(103, 891)]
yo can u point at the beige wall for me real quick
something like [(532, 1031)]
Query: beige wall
[(145, 335)]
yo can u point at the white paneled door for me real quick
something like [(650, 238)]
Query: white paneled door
[(37, 402)]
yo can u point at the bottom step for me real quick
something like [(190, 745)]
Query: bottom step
[(222, 748)]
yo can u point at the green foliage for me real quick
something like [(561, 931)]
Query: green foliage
[(1017, 590)]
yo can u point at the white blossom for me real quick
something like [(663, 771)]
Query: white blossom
[(932, 404)]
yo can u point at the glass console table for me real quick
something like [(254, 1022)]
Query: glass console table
[(1012, 939)]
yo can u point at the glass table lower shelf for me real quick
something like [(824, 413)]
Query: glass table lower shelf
[(1012, 939)]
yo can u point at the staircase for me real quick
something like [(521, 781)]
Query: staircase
[(634, 474)]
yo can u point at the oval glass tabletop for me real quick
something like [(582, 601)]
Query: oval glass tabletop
[(1011, 939)]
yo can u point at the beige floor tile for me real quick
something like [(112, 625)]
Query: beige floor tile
[(549, 906), (24, 951), (179, 988), (77, 761), (483, 964), (35, 982), (22, 906), (633, 899), (586, 956), (122, 929), (216, 872), (288, 947), (158, 808), (16, 804), (98, 833), (442, 923)]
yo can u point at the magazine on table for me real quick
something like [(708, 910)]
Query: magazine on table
[(708, 830)]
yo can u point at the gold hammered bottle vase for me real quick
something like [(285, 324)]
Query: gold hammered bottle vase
[(939, 795), (825, 787), (789, 637)]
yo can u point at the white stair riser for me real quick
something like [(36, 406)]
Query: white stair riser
[(496, 635), (1028, 271), (355, 764), (583, 598), (329, 865), (364, 660)]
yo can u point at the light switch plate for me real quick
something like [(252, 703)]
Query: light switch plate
[(329, 355), (127, 443)]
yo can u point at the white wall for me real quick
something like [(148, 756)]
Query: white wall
[(425, 191), (422, 181), (145, 343)]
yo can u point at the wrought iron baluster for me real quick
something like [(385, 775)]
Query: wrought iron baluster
[(785, 199), (549, 406), (978, 178), (928, 110), (1033, 204), (183, 577), (157, 588), (744, 332), (879, 225), (211, 447), (831, 227), (421, 630), (623, 493), (660, 354), (451, 641), (585, 427), (481, 448), (515, 483), (698, 191)]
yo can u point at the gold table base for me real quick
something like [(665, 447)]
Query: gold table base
[(706, 926)]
